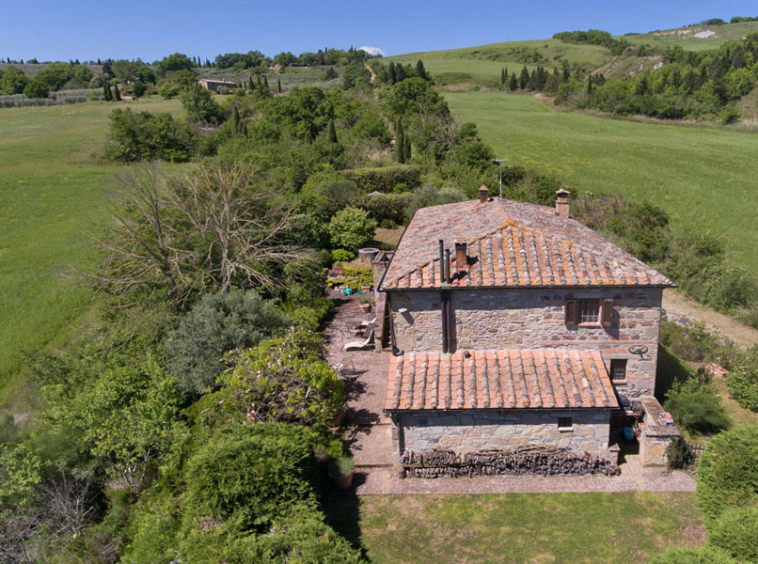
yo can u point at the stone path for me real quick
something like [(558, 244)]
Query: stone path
[(367, 434)]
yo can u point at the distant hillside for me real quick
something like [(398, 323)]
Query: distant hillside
[(484, 63)]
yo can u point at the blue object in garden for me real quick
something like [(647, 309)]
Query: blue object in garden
[(629, 433), (347, 291)]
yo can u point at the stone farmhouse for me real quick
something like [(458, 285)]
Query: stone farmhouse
[(216, 85), (513, 324)]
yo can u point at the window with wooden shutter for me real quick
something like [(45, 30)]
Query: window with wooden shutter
[(606, 313), (571, 312)]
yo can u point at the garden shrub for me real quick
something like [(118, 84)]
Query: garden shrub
[(728, 472), (694, 343), (736, 532), (351, 228), (153, 529), (246, 477), (342, 255), (700, 555), (218, 324)]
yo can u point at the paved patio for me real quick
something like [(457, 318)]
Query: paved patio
[(368, 434)]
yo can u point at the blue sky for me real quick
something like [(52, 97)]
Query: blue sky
[(88, 29)]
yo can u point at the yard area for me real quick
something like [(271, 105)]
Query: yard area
[(515, 528)]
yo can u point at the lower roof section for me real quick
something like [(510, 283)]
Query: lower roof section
[(505, 379)]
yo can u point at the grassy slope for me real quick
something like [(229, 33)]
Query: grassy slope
[(704, 177), (484, 62), (49, 188), (514, 528)]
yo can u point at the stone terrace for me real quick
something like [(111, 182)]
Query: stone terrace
[(368, 434)]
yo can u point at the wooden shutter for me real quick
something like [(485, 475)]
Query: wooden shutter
[(571, 312), (606, 313)]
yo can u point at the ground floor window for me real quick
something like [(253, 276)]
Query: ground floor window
[(565, 422)]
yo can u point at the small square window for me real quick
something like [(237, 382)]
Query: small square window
[(589, 310), (618, 369), (565, 422)]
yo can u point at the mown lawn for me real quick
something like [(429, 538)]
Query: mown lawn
[(704, 177), (51, 188), (515, 528)]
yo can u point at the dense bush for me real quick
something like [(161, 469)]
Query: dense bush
[(281, 380), (199, 105), (247, 477), (36, 89), (742, 380), (697, 408), (736, 532), (430, 195), (141, 136), (701, 555), (219, 323), (385, 179), (728, 472), (386, 207), (351, 228)]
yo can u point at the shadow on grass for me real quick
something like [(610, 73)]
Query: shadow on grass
[(343, 515)]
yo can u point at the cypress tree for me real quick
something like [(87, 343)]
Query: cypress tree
[(260, 82), (107, 94), (116, 92), (513, 84), (308, 137), (251, 86), (502, 77), (589, 85), (406, 149), (399, 142), (331, 135), (399, 73), (392, 73), (235, 121), (265, 81), (420, 70), (279, 85), (524, 80)]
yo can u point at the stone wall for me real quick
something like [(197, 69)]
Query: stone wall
[(534, 318), (471, 431)]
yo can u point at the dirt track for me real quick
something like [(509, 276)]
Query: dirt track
[(678, 306)]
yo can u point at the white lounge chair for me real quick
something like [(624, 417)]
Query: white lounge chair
[(361, 328), (360, 345)]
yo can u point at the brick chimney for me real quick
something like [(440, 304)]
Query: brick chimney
[(483, 195), (461, 255), (562, 203)]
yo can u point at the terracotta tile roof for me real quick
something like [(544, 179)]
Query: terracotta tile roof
[(511, 244), (513, 379)]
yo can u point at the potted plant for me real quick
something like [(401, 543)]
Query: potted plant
[(365, 303), (341, 471)]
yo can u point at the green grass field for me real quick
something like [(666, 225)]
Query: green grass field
[(51, 188), (518, 528), (704, 177)]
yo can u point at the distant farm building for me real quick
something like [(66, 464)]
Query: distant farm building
[(216, 85)]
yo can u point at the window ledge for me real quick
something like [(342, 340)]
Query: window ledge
[(592, 325), (565, 429)]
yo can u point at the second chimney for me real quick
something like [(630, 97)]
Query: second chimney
[(562, 203), (461, 255), (483, 195)]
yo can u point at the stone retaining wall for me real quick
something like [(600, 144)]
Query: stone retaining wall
[(535, 318)]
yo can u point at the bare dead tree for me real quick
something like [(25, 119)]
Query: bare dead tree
[(68, 504), (206, 230)]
